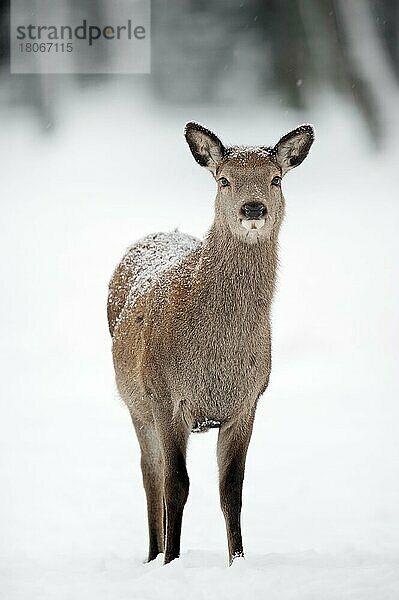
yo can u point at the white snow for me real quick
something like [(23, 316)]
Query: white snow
[(321, 495), (204, 425)]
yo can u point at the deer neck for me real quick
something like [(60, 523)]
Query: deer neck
[(236, 276)]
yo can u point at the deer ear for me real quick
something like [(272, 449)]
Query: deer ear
[(205, 146), (293, 147)]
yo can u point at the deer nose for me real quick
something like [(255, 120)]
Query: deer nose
[(253, 210)]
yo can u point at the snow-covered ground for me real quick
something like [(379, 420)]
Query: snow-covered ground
[(321, 497)]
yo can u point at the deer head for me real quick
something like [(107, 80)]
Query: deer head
[(249, 201)]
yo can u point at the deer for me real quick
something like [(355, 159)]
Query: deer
[(190, 325)]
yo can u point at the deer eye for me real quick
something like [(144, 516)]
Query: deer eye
[(276, 180), (223, 182)]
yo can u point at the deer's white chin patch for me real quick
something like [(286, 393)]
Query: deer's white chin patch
[(253, 224)]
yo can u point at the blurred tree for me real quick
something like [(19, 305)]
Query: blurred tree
[(4, 31), (386, 14), (284, 51), (303, 46)]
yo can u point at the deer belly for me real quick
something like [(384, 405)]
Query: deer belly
[(210, 406)]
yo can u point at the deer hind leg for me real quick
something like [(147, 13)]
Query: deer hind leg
[(152, 470), (176, 487), (232, 449)]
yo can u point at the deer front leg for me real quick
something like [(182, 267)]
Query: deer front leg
[(232, 449), (176, 487), (152, 470)]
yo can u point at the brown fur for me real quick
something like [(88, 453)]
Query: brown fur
[(193, 349)]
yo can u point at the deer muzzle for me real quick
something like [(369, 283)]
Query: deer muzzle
[(253, 210)]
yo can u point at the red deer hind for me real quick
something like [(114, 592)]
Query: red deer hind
[(190, 327)]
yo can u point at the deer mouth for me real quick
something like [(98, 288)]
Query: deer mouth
[(252, 224)]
